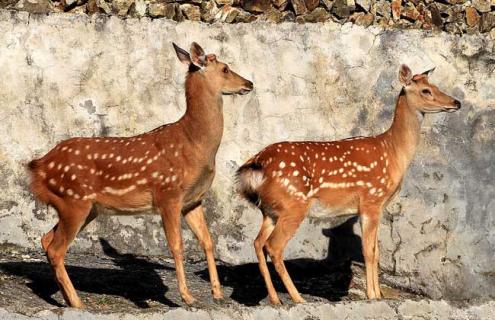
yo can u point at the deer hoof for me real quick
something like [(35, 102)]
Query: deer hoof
[(188, 299)]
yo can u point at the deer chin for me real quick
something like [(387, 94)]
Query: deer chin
[(450, 109), (244, 91), (241, 92)]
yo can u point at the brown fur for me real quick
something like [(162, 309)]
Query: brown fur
[(354, 175), (168, 169)]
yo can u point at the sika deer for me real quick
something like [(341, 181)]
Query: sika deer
[(168, 169), (355, 175)]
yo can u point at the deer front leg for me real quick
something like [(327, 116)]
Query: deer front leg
[(171, 213), (370, 219), (196, 221)]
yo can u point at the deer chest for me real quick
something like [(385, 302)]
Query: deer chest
[(200, 183)]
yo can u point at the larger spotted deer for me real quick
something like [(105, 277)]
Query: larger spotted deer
[(358, 175), (167, 170)]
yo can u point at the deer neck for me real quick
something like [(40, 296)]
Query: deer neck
[(202, 122), (403, 135)]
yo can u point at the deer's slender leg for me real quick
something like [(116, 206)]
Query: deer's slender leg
[(265, 232), (170, 210), (370, 219), (72, 216), (48, 237), (286, 226), (196, 221), (376, 281)]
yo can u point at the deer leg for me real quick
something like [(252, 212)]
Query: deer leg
[(171, 213), (376, 281), (369, 226), (48, 237), (71, 220), (284, 230), (265, 232), (196, 221)]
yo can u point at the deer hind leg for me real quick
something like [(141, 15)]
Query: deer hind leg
[(370, 220), (72, 216), (287, 223), (265, 232), (170, 211), (48, 237), (196, 221)]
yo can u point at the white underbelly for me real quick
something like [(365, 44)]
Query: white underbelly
[(320, 211)]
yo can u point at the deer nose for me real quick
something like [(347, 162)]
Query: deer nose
[(457, 104), (249, 85)]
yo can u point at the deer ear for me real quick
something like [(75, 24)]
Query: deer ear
[(182, 54), (428, 72), (405, 75), (197, 54)]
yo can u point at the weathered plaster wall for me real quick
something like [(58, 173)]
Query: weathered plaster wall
[(64, 75)]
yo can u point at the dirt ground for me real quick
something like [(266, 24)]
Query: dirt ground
[(126, 283)]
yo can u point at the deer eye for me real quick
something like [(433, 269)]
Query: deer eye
[(426, 92), (225, 70)]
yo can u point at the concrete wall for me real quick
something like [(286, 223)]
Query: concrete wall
[(68, 75)]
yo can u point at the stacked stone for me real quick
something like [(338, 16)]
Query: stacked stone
[(454, 16)]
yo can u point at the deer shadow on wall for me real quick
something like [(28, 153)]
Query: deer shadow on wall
[(329, 278), (131, 277)]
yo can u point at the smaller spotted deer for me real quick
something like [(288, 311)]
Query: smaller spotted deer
[(167, 170), (358, 175)]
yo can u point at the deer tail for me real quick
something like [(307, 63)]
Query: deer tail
[(249, 177)]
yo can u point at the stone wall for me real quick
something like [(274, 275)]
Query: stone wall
[(75, 75), (454, 16)]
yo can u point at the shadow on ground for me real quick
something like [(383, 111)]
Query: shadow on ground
[(329, 278), (141, 280), (135, 279)]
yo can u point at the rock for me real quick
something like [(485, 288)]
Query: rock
[(472, 17), (227, 14), (280, 4), (299, 7), (365, 4), (289, 16), (382, 7), (68, 4), (487, 22), (362, 19), (396, 8), (410, 12), (311, 4), (165, 10), (91, 7), (272, 15), (138, 9), (343, 8), (104, 6), (436, 18), (7, 3), (317, 15), (222, 2), (328, 4), (492, 34), (454, 28), (190, 11), (35, 6), (255, 6), (121, 7), (245, 17), (482, 5), (209, 10)]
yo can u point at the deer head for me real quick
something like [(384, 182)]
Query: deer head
[(218, 74), (423, 95)]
